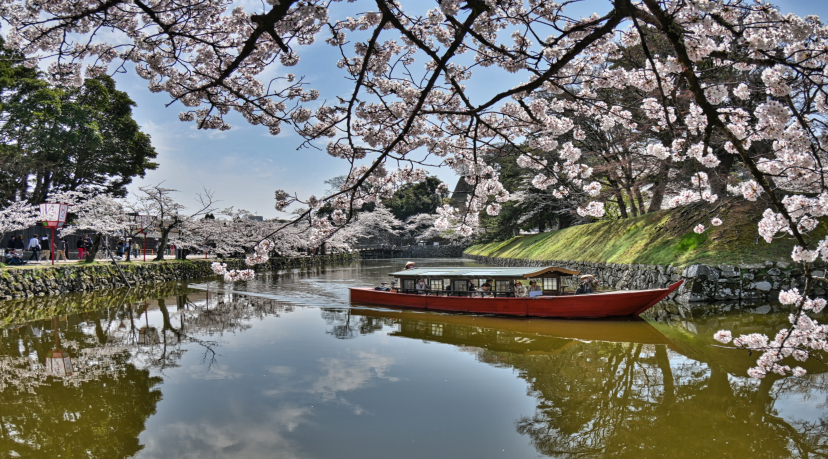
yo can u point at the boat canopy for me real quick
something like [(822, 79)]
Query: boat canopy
[(488, 273)]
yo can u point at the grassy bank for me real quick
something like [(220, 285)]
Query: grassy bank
[(665, 237)]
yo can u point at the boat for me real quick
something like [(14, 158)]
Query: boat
[(447, 290)]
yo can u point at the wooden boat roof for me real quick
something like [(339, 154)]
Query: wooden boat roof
[(487, 272)]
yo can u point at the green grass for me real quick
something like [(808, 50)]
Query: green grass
[(663, 238)]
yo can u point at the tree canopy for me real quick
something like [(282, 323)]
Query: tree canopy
[(417, 198), (67, 138)]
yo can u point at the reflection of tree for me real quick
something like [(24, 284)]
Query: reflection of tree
[(101, 409), (43, 307), (99, 415), (627, 399), (344, 325), (621, 400)]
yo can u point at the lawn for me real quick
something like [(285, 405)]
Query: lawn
[(662, 238)]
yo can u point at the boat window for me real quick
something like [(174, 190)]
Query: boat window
[(550, 283), (503, 286), (408, 284), (459, 285), (446, 283)]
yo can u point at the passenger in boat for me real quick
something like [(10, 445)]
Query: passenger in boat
[(383, 287), (534, 287), (410, 265), (486, 289), (470, 286), (421, 286), (520, 290), (586, 284), (486, 286)]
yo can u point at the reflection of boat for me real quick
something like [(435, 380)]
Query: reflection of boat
[(447, 292), (522, 335)]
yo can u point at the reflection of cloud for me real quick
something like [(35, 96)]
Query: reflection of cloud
[(242, 437), (343, 375), (214, 372), (280, 370)]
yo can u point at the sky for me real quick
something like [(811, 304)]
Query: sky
[(244, 166)]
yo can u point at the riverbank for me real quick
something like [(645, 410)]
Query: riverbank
[(728, 262), (660, 238), (61, 279)]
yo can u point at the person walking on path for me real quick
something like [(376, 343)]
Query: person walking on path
[(60, 250), (44, 246), (135, 248), (80, 248), (34, 246), (18, 243), (87, 244), (120, 249)]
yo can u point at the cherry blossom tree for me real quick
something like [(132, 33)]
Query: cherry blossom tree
[(104, 214), (17, 216), (157, 201), (412, 102)]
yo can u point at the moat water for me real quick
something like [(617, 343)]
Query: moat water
[(285, 367)]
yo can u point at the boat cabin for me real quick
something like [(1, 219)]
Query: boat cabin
[(470, 281)]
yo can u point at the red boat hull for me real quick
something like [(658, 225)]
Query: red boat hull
[(609, 304)]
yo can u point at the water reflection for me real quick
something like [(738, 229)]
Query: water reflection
[(249, 376), (629, 388), (97, 410)]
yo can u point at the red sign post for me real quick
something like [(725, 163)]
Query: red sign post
[(53, 215)]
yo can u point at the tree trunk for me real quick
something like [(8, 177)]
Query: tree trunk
[(719, 174), (162, 246), (660, 186), (633, 208), (96, 244), (619, 198), (639, 198), (564, 220)]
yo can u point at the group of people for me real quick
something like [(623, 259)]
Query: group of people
[(41, 249), (39, 246), (122, 247)]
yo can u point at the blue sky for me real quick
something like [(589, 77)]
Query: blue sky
[(244, 166)]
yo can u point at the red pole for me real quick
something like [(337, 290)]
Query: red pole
[(145, 246), (53, 246)]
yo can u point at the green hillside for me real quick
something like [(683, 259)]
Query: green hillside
[(665, 237)]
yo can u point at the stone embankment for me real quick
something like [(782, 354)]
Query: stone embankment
[(23, 283), (701, 282)]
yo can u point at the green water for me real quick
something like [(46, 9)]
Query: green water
[(285, 367)]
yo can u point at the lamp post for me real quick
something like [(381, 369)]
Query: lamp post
[(53, 215)]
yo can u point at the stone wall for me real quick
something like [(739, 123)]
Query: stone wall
[(24, 283), (701, 282)]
